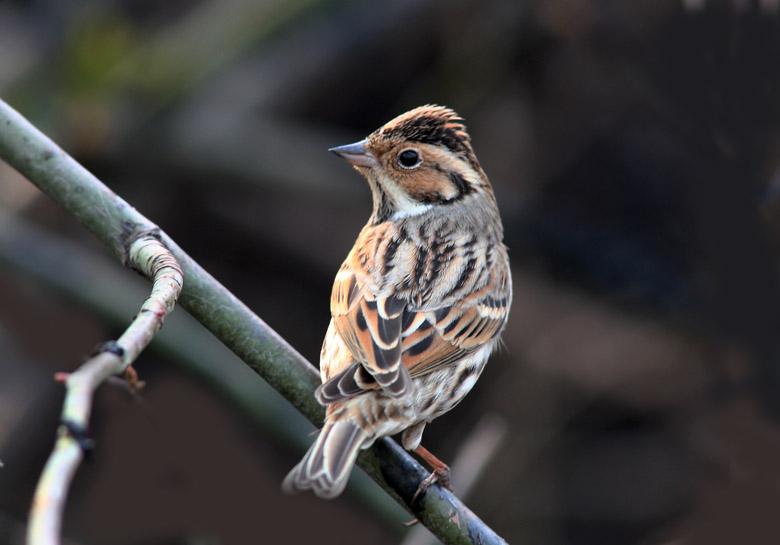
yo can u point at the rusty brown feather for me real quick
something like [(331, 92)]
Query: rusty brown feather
[(420, 301)]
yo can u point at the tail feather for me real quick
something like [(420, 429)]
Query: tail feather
[(326, 467)]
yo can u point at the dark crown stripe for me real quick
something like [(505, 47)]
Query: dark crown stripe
[(436, 130)]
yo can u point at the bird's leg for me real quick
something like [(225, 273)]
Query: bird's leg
[(440, 469), (440, 472)]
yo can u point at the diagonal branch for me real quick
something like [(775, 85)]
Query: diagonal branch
[(115, 222), (150, 257)]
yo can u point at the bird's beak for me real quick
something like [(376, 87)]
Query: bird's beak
[(356, 154)]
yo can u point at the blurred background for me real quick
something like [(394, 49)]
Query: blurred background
[(634, 148)]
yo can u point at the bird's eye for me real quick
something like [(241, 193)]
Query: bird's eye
[(409, 158)]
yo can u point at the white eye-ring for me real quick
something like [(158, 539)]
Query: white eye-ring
[(409, 158)]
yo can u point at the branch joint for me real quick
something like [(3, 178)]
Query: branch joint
[(79, 434), (112, 347)]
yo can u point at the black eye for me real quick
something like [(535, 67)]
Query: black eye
[(409, 158)]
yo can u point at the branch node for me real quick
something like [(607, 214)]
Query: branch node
[(132, 232), (79, 434), (108, 346)]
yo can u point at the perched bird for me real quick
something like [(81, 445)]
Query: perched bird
[(420, 301)]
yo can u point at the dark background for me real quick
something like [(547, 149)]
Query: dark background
[(634, 150)]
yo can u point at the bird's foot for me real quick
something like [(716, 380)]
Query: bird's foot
[(440, 475)]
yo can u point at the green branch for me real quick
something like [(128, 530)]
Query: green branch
[(117, 223)]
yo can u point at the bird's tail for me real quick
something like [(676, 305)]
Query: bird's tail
[(326, 467)]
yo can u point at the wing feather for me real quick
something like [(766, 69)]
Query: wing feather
[(371, 329)]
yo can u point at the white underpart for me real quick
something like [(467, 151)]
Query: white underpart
[(434, 383), (414, 210)]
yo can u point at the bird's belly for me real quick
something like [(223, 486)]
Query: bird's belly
[(434, 394), (439, 391)]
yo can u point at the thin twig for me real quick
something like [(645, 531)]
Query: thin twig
[(150, 257), (113, 220)]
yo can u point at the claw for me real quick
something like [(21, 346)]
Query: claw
[(439, 475)]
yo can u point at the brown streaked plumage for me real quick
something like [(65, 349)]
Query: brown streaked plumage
[(420, 301)]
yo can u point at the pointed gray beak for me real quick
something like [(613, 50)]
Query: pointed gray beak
[(356, 154)]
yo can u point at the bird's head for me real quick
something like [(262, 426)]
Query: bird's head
[(419, 161)]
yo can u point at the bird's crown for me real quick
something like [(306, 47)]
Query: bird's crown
[(430, 124)]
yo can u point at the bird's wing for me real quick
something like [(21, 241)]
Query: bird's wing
[(393, 342), (370, 326)]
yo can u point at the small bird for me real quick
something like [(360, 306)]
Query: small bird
[(420, 301)]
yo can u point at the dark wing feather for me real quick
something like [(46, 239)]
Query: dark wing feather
[(350, 382), (371, 329)]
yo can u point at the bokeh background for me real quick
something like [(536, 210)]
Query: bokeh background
[(634, 148)]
